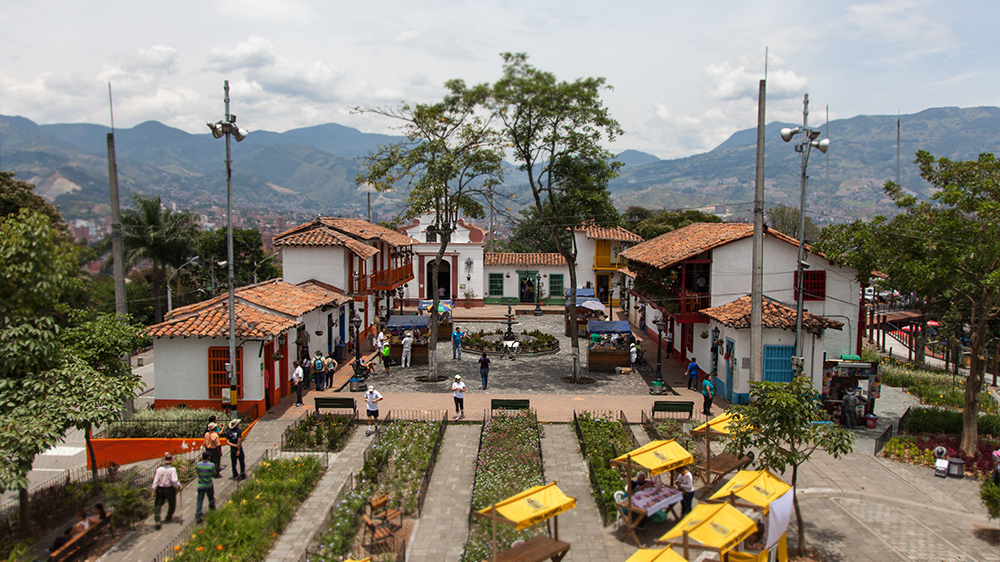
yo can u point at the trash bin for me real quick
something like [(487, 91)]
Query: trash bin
[(618, 370), (339, 351), (871, 421), (355, 384), (956, 468), (657, 388)]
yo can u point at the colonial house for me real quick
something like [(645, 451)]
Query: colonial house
[(697, 279), (461, 275), (364, 261), (275, 323)]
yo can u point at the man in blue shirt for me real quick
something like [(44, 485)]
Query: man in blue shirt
[(456, 343), (693, 375), (205, 471)]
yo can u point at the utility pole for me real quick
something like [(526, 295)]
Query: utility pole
[(757, 279), (117, 248)]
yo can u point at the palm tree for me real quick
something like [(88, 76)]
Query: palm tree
[(161, 235)]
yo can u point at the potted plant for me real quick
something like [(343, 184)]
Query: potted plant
[(704, 334), (469, 294)]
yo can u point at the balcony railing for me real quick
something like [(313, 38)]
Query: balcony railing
[(382, 280), (690, 303), (607, 262)]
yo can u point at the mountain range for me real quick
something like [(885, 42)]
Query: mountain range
[(313, 169)]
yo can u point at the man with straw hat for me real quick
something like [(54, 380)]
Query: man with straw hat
[(164, 489), (235, 439)]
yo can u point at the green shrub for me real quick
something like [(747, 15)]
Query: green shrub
[(940, 420), (604, 438), (323, 432), (990, 494), (170, 423)]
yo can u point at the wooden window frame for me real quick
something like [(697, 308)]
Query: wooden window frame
[(491, 284), (217, 376), (813, 285), (562, 285)]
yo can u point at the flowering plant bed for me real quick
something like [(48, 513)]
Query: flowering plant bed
[(666, 429), (509, 462), (602, 438), (397, 465), (246, 526), (319, 432), (920, 450), (934, 387)]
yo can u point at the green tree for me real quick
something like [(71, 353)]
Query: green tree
[(161, 235), (248, 258), (531, 235), (650, 224), (787, 220), (448, 164), (776, 428), (16, 195), (554, 132)]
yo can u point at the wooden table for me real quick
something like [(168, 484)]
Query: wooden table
[(646, 502), (716, 468), (535, 550)]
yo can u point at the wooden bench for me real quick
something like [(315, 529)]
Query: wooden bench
[(668, 407), (336, 403), (535, 550), (507, 404), (80, 544), (716, 468), (381, 510), (380, 532)]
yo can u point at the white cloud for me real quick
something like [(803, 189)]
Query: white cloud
[(255, 52), (899, 22), (159, 59)]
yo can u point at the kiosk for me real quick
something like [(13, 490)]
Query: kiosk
[(444, 315), (848, 373), (418, 327), (657, 457), (612, 350), (523, 510), (761, 491), (715, 468), (712, 527), (594, 310)]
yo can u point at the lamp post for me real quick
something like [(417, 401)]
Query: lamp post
[(227, 128), (170, 304), (401, 291), (660, 324), (808, 142), (356, 326), (257, 265), (538, 304)]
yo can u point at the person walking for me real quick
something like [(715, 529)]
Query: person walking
[(372, 398), (206, 487), (851, 409), (670, 342), (633, 355), (164, 490), (685, 482), (385, 357), (319, 370), (484, 369), (331, 368), (297, 382), (213, 445), (708, 393), (407, 349), (306, 365), (456, 343), (458, 392), (692, 371), (235, 439)]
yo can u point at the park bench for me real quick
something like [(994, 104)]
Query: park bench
[(80, 544), (381, 510), (668, 407), (509, 404), (381, 531), (336, 403)]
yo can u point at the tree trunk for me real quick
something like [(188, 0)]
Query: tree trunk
[(445, 234), (93, 456), (974, 382), (574, 333), (798, 512), (918, 353), (24, 512)]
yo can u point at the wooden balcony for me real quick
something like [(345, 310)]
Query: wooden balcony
[(606, 263), (689, 303), (382, 280)]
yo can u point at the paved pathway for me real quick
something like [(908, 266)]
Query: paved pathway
[(442, 529), (314, 513)]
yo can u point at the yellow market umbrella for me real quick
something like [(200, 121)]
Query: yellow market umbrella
[(656, 457), (656, 555), (718, 527), (757, 487), (529, 507), (719, 425)]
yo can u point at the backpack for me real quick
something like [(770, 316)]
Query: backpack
[(318, 365)]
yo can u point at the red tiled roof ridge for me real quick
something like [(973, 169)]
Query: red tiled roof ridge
[(523, 259), (615, 233), (776, 314)]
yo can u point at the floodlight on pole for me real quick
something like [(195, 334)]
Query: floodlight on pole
[(808, 142), (227, 128)]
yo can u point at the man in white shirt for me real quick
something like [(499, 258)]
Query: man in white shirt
[(164, 489), (458, 392), (407, 349), (297, 382), (372, 397), (685, 482)]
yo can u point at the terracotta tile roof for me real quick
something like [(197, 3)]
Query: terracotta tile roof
[(213, 322), (615, 233), (776, 315), (626, 272), (368, 231), (678, 245), (321, 235), (523, 259), (263, 311)]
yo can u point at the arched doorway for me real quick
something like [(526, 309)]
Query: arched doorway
[(444, 278)]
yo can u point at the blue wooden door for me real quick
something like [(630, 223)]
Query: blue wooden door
[(778, 363), (728, 357)]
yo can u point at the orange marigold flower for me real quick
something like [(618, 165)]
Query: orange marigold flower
[(177, 548), (218, 547), (201, 549)]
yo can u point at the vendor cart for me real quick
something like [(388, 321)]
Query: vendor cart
[(418, 327), (612, 350)]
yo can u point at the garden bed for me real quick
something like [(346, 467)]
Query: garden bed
[(533, 342), (667, 429), (319, 433), (246, 526), (919, 450), (943, 421), (933, 387), (398, 464), (509, 462), (603, 437)]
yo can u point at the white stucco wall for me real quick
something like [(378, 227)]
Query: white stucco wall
[(180, 370), (327, 264)]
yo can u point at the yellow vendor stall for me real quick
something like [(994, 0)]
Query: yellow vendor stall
[(656, 457), (711, 527), (714, 468), (656, 555), (523, 510), (762, 491)]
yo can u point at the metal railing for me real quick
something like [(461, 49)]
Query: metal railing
[(881, 441)]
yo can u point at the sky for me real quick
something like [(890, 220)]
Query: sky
[(684, 74)]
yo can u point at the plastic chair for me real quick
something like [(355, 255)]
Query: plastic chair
[(619, 497)]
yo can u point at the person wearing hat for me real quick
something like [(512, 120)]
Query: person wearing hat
[(372, 398), (206, 487), (458, 392), (164, 489), (213, 446), (633, 355), (235, 439), (407, 349)]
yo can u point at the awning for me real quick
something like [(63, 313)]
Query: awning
[(657, 457), (656, 555), (717, 527), (612, 327), (757, 487), (531, 506), (405, 322), (719, 425), (580, 292)]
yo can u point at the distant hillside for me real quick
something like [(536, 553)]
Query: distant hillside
[(313, 169)]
